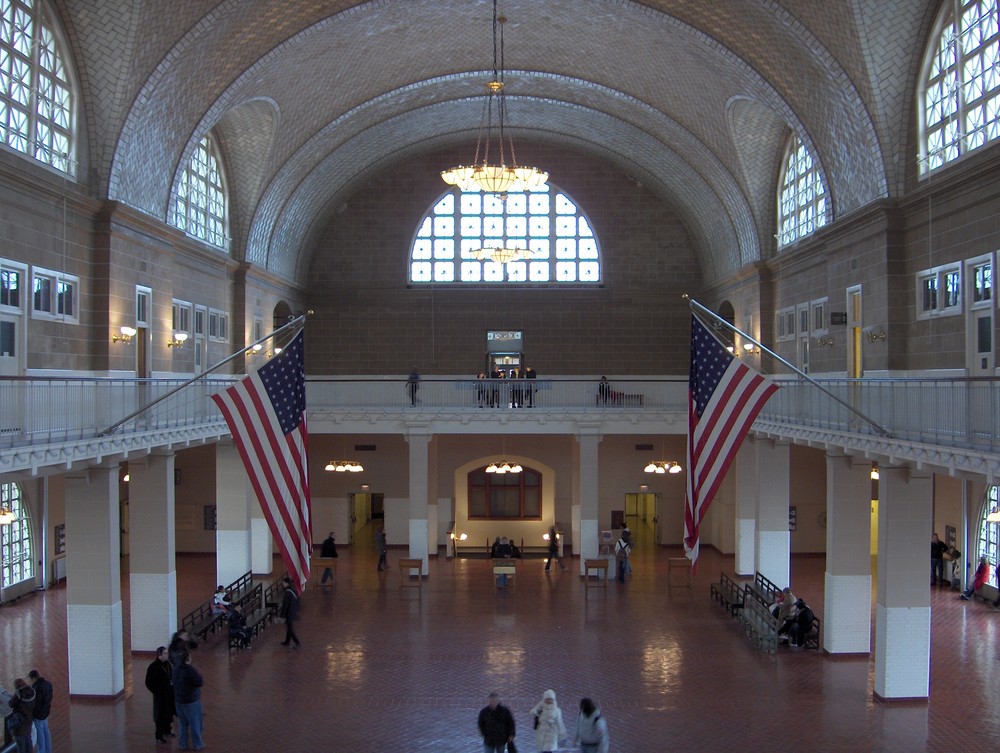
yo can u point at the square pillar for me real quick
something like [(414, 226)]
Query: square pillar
[(419, 527), (93, 586), (773, 537), (152, 565), (586, 469), (847, 607), (903, 606), (233, 498), (747, 494)]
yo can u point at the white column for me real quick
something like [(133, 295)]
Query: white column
[(746, 506), (847, 608), (419, 525), (233, 497), (903, 605), (261, 541), (152, 565), (93, 587), (773, 537), (587, 462)]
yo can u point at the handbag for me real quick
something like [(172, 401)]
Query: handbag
[(536, 721)]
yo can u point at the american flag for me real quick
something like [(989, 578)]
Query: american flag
[(266, 413), (724, 397)]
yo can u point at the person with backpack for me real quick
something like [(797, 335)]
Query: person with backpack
[(591, 728), (22, 705), (622, 549), (43, 706)]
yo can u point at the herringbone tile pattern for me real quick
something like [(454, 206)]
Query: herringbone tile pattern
[(384, 668)]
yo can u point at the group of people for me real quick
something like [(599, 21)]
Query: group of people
[(233, 615), (518, 395), (795, 618), (176, 687), (497, 726), (30, 705)]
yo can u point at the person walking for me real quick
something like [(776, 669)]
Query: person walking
[(496, 725), (187, 696), (329, 552), (549, 727), (591, 728), (289, 611), (553, 550), (43, 706), (159, 682), (413, 385), (623, 547), (380, 544), (22, 705)]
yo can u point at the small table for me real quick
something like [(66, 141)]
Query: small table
[(678, 563), (405, 566), (601, 566), (504, 567), (318, 566)]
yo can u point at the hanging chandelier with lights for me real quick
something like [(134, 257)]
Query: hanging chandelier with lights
[(504, 175), (504, 466), (344, 466), (663, 466)]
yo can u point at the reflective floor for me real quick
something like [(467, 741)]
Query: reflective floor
[(390, 668)]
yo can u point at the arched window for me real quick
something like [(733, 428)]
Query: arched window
[(959, 91), (989, 532), (36, 97), (803, 203), (544, 220), (200, 203), (15, 538), (505, 496)]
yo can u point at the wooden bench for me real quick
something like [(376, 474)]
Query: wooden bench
[(274, 594), (728, 593), (812, 639), (240, 588), (255, 615), (767, 589), (319, 565), (506, 567), (758, 623), (406, 576), (204, 619), (599, 565)]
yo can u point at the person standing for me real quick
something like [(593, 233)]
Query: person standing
[(553, 550), (43, 706), (549, 727), (187, 695), (289, 611), (380, 544), (23, 704), (623, 547), (160, 684), (529, 373), (329, 552), (938, 548), (496, 725), (591, 728), (413, 385)]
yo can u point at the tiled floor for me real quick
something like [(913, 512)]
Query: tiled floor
[(384, 668)]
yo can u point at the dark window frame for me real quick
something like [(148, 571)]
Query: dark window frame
[(484, 491)]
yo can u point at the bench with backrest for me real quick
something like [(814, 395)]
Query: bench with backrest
[(204, 619), (767, 589), (273, 594), (813, 636), (758, 623), (240, 588), (728, 593), (255, 614)]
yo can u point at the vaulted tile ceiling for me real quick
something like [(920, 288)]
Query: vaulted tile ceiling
[(309, 99)]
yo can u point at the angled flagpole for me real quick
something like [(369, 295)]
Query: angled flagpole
[(295, 323), (697, 308)]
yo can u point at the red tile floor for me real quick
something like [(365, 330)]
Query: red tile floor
[(384, 668)]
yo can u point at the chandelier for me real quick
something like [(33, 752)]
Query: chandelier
[(663, 466), (344, 466), (504, 466), (495, 140)]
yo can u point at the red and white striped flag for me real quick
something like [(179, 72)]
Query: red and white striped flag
[(266, 414), (724, 397)]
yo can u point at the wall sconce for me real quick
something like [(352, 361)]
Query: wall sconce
[(993, 516), (663, 466), (254, 349), (873, 336), (178, 340), (875, 474), (127, 333), (750, 349), (824, 342), (272, 353), (7, 516)]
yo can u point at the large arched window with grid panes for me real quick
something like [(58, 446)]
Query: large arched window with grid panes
[(200, 205), (15, 537), (959, 92), (988, 542), (505, 496), (37, 97), (803, 200), (548, 224)]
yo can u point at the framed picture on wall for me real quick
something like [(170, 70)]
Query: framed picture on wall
[(950, 536), (59, 533)]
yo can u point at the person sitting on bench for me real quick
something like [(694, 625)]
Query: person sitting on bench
[(220, 601), (801, 625), (238, 628)]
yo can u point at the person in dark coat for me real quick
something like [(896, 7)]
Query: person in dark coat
[(187, 700), (329, 552), (554, 549), (289, 611), (496, 725), (802, 625), (160, 684), (43, 706), (180, 642), (23, 702)]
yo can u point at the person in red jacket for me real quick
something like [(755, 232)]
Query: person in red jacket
[(981, 576)]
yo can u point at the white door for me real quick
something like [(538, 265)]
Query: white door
[(980, 342), (10, 345)]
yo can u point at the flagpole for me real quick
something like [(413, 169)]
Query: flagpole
[(715, 317), (295, 321)]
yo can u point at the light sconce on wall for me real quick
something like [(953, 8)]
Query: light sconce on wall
[(178, 340), (873, 336), (750, 349), (663, 466), (254, 349), (875, 474), (993, 516), (127, 333), (824, 342), (7, 516)]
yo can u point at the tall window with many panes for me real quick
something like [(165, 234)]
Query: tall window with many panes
[(200, 205), (15, 537), (803, 199)]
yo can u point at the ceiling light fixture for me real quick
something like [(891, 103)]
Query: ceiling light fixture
[(500, 177), (663, 466), (344, 466)]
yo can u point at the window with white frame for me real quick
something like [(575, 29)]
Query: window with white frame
[(959, 88), (12, 280), (218, 325), (15, 538), (200, 317), (143, 305), (803, 200), (989, 532), (980, 276), (544, 221), (54, 295), (785, 324), (820, 325), (37, 99), (200, 203), (181, 316), (939, 291)]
